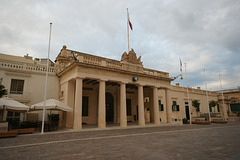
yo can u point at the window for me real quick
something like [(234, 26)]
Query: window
[(146, 99), (61, 94), (129, 107), (16, 86), (218, 108), (84, 106), (210, 108), (13, 116), (175, 107), (160, 105), (198, 109), (235, 107)]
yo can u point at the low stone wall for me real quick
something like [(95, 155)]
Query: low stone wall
[(198, 119), (3, 126)]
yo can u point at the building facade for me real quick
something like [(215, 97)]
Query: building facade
[(230, 100), (102, 90), (24, 79)]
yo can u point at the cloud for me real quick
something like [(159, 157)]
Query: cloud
[(205, 34)]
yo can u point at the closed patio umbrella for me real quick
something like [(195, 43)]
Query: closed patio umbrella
[(52, 104)]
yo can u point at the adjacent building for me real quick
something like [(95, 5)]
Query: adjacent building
[(230, 99), (24, 78)]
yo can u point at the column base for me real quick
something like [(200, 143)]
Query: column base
[(102, 126)]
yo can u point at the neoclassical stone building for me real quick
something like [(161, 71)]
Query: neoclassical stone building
[(102, 91)]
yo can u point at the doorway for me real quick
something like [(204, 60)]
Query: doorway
[(109, 108)]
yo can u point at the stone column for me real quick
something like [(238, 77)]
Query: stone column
[(168, 106), (141, 118), (123, 107), (101, 105), (77, 122), (155, 106)]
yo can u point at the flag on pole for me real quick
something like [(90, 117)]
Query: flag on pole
[(180, 64), (129, 22)]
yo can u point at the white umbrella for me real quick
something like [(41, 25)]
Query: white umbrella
[(52, 104), (10, 104)]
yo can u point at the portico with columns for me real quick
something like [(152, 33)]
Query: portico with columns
[(103, 91)]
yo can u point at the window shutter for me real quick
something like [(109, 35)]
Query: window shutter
[(218, 108), (210, 108), (174, 103), (177, 107)]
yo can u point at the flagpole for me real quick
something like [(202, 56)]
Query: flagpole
[(128, 29), (223, 99), (190, 116), (207, 95), (45, 94), (181, 71)]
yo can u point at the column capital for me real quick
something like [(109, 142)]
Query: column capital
[(123, 82), (78, 77), (140, 84)]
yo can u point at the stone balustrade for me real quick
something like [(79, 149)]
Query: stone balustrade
[(26, 66), (114, 64)]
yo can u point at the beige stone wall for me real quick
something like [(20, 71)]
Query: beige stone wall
[(92, 102), (34, 75)]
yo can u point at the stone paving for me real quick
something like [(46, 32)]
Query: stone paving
[(214, 141)]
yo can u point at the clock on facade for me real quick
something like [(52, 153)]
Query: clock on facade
[(135, 79)]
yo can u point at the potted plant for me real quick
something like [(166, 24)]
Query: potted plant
[(196, 104), (213, 103)]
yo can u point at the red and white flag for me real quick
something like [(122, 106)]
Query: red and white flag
[(130, 24)]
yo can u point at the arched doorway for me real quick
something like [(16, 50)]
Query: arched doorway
[(109, 108)]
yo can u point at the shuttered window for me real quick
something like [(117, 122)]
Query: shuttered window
[(175, 107), (235, 107), (16, 86), (160, 105)]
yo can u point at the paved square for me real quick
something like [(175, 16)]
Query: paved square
[(215, 141)]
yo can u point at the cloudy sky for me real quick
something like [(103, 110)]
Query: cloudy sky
[(205, 34)]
